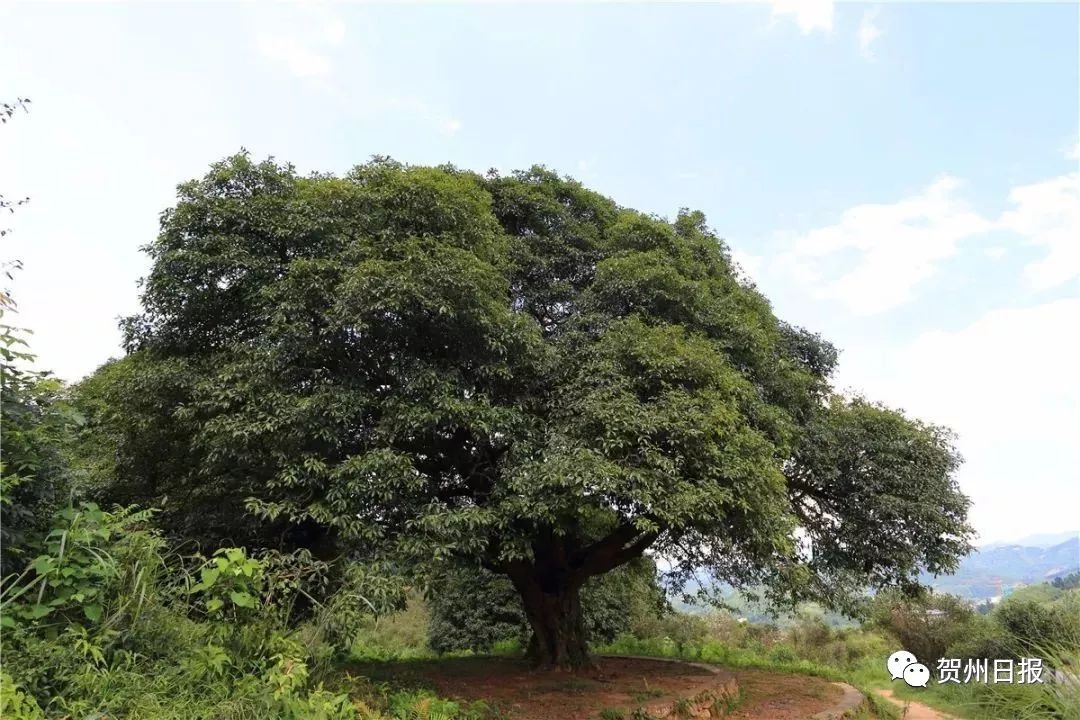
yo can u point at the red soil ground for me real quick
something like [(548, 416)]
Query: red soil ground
[(619, 683), (777, 696)]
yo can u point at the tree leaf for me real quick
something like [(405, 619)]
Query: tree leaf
[(242, 599)]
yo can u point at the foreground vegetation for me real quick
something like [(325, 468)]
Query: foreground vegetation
[(104, 622), (417, 411)]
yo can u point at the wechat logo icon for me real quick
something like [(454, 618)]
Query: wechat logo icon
[(902, 665)]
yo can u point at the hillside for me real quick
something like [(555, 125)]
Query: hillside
[(978, 574)]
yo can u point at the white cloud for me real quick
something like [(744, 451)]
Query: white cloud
[(1047, 213), (450, 126), (300, 59), (303, 38), (896, 246), (1006, 384), (750, 266), (334, 30), (301, 35), (418, 108), (876, 255), (868, 32), (809, 15)]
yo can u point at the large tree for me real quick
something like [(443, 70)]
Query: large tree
[(510, 371)]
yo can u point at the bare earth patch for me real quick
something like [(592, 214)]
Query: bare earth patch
[(776, 696), (525, 694), (619, 683)]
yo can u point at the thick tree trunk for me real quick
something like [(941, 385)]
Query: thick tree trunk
[(550, 588), (558, 626)]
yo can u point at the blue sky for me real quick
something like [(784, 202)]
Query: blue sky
[(901, 177)]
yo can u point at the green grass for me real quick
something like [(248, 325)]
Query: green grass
[(877, 707), (977, 701)]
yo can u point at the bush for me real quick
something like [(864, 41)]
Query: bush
[(34, 481), (810, 634), (723, 627), (1031, 625), (985, 638), (98, 623), (15, 704), (926, 626), (472, 609), (783, 654), (93, 566)]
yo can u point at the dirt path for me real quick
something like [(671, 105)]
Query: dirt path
[(915, 710)]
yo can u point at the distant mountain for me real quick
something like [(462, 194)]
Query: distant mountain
[(1042, 540), (978, 576)]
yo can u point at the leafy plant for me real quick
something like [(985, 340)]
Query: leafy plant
[(80, 566), (230, 583), (15, 704), (36, 419), (209, 661)]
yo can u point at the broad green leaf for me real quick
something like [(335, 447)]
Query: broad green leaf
[(242, 599)]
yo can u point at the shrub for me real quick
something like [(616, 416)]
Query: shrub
[(810, 634), (926, 626), (92, 567), (1031, 625), (98, 624), (985, 638), (34, 480), (783, 654), (230, 584), (15, 704), (723, 627)]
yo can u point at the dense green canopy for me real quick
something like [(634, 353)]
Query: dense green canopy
[(510, 371)]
